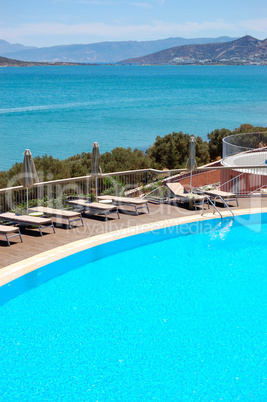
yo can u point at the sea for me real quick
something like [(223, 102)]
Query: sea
[(62, 110)]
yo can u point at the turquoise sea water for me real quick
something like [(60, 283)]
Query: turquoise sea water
[(61, 111), (182, 318)]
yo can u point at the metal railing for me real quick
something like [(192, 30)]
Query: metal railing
[(130, 183), (56, 192), (245, 143)]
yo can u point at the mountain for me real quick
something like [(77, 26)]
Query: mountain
[(6, 47), (104, 52), (5, 62), (246, 50)]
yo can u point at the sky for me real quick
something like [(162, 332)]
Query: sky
[(61, 22)]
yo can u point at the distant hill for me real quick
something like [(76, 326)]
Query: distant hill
[(104, 52), (246, 50), (6, 47), (5, 62)]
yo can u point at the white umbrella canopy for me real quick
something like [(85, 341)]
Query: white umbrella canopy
[(96, 169), (29, 175), (191, 162)]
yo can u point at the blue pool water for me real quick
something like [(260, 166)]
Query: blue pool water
[(163, 316)]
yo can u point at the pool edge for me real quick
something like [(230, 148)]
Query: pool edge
[(18, 269)]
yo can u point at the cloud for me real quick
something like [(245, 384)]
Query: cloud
[(256, 25), (106, 2), (95, 2), (91, 2), (103, 32), (138, 4)]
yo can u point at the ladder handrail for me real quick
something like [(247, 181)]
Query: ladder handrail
[(224, 203), (214, 206)]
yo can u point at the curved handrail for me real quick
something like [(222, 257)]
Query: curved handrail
[(225, 204), (214, 206)]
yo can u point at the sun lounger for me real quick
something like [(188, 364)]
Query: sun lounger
[(137, 203), (70, 216), (178, 192), (26, 220), (9, 232), (223, 195), (95, 208)]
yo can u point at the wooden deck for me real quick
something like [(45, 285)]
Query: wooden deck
[(34, 244)]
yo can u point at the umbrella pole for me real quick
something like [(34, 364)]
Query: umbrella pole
[(27, 201), (96, 188)]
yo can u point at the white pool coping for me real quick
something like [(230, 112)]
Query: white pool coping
[(18, 269)]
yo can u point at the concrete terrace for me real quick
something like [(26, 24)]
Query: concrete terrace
[(95, 227)]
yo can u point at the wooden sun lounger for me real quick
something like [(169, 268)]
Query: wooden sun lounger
[(95, 208), (70, 216), (137, 203), (26, 220), (9, 232)]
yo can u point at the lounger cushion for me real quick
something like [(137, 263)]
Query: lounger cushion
[(178, 191), (103, 207), (31, 220), (223, 194), (93, 205), (124, 200), (8, 229), (55, 212), (176, 188)]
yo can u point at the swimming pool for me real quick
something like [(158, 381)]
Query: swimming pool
[(177, 316)]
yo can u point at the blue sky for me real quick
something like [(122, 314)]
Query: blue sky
[(57, 22)]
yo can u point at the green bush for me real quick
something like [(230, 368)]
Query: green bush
[(168, 152)]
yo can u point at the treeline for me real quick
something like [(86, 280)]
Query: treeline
[(168, 152)]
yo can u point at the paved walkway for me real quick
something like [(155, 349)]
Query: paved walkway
[(33, 244)]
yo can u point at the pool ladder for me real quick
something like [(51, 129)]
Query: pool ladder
[(213, 203)]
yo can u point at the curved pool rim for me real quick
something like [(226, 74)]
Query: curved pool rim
[(11, 273)]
